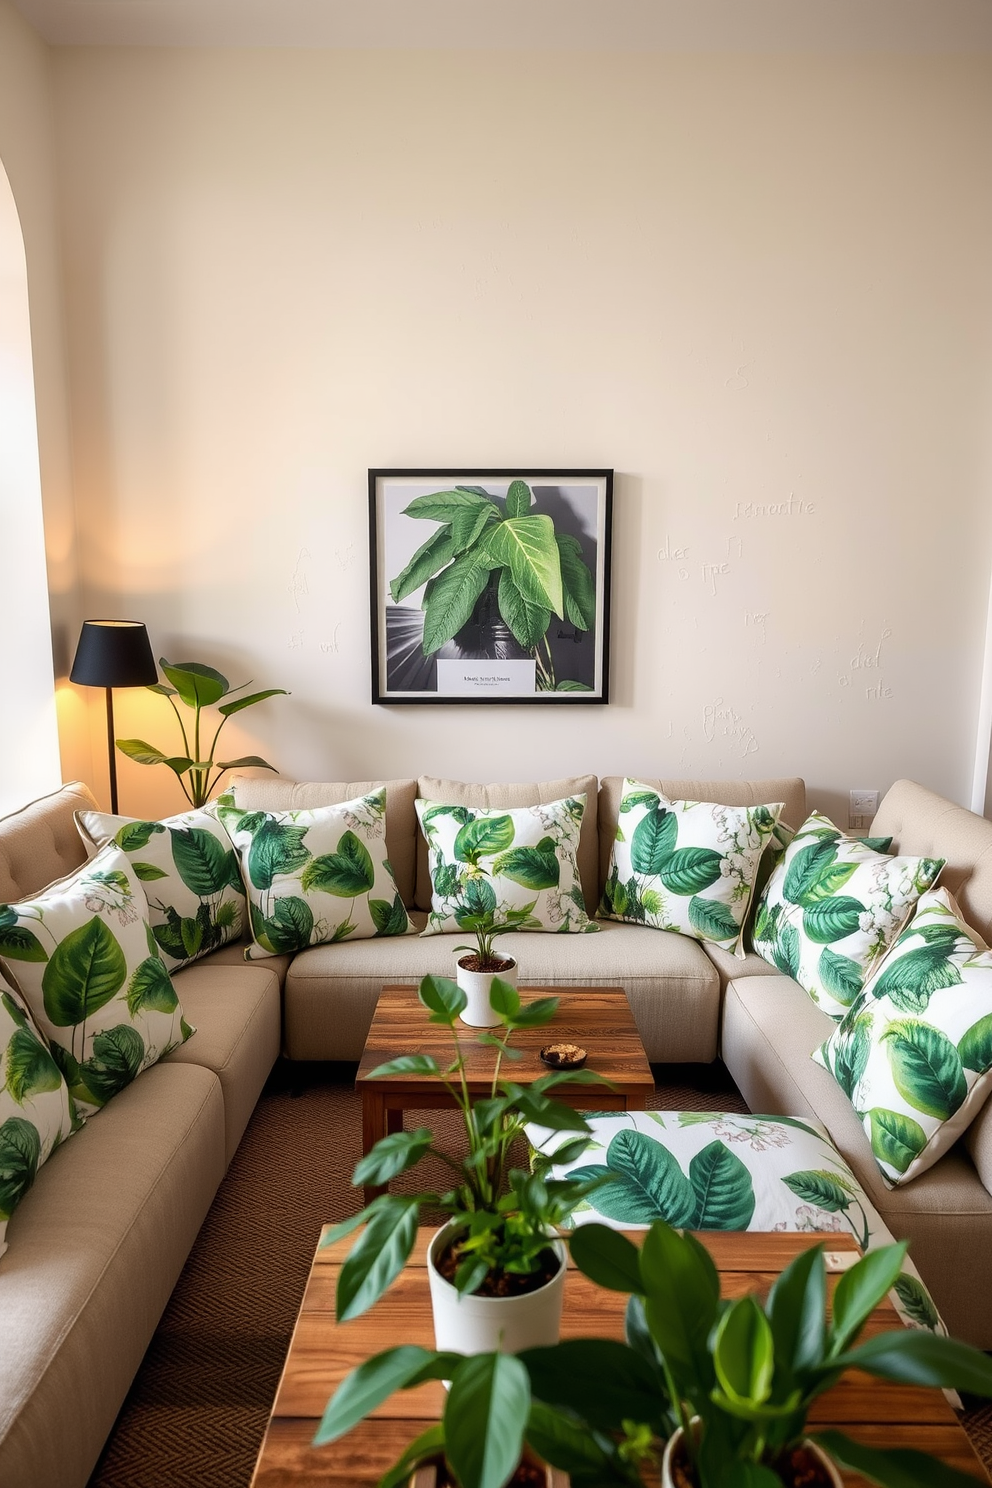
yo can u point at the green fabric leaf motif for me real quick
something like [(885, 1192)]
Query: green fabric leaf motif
[(818, 1187), (636, 798), (389, 919), (347, 872), (917, 1301), (805, 868), (151, 987), (31, 1070), (86, 970), (446, 879), (850, 1053), (478, 899), (787, 951), (650, 1185), (20, 1151), (14, 1011), (482, 837), (147, 872), (926, 1068), (20, 943), (291, 925), (170, 936), (690, 869), (713, 920), (529, 622), (529, 866), (275, 848), (896, 1139), (201, 860), (137, 834), (116, 1059), (723, 1188), (653, 840), (975, 1045), (830, 920), (833, 877), (840, 976), (911, 979)]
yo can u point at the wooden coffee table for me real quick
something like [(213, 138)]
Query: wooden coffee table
[(323, 1351), (597, 1018)]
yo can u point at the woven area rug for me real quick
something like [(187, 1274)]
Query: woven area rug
[(198, 1407)]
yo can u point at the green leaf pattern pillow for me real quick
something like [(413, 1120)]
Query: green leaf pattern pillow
[(36, 1110), (714, 1170), (315, 877), (914, 1054), (84, 959), (685, 866), (190, 874), (832, 909), (517, 866)]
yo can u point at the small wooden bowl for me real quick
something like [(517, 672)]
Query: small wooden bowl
[(564, 1056)]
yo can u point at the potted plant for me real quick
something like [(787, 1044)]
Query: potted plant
[(198, 687), (476, 970), (496, 1267)]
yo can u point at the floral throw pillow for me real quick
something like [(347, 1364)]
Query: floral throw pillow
[(36, 1110), (516, 866), (914, 1054), (687, 866), (315, 877), (190, 874), (832, 909), (84, 959)]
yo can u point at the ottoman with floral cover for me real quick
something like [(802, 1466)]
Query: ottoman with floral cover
[(709, 1170)]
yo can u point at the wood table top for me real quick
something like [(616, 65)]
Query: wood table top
[(322, 1352), (597, 1018)]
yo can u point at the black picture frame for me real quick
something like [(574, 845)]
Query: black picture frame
[(491, 589)]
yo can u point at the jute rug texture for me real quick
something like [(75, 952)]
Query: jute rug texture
[(197, 1410)]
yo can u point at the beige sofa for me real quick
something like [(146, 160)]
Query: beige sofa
[(96, 1246)]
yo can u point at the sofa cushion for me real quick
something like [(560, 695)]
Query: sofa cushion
[(769, 1030), (402, 832), (316, 877), (94, 1252), (238, 1017), (672, 986), (190, 874), (832, 909), (914, 1054), (685, 866), (83, 957), (506, 797), (40, 844), (504, 866)]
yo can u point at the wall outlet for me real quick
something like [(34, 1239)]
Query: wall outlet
[(864, 804)]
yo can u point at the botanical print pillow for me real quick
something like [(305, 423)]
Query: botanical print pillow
[(84, 959), (315, 877), (687, 866), (832, 909), (711, 1170), (517, 866), (914, 1054), (190, 873), (36, 1109)]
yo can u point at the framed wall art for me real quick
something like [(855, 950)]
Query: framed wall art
[(490, 586)]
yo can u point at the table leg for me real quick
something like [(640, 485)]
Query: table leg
[(378, 1120)]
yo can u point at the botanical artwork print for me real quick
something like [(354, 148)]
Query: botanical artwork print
[(686, 866), (84, 959), (516, 868), (36, 1110), (711, 1170), (190, 874), (832, 909), (492, 588), (914, 1054), (315, 877)]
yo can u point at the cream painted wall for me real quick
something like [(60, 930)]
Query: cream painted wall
[(760, 288)]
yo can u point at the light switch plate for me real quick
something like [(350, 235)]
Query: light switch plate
[(863, 805)]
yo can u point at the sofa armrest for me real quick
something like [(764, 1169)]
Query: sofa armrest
[(978, 1141)]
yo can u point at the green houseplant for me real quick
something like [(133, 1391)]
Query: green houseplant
[(198, 687), (501, 566), (728, 1383)]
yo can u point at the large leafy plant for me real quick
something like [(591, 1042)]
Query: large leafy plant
[(485, 543), (198, 687)]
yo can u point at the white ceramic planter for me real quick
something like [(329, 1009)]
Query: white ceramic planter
[(483, 1325), (674, 1443), (476, 985)]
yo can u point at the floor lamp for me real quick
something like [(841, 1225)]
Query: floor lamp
[(113, 653)]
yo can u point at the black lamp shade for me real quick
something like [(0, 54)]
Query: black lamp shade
[(114, 653)]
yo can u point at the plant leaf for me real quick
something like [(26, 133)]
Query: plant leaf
[(429, 559), (895, 1467), (391, 1155), (518, 499), (682, 1292), (578, 584), (797, 1310), (526, 545), (378, 1255), (249, 702), (607, 1257), (602, 1380), (442, 997), (443, 506), (911, 1356), (485, 1415), (195, 683), (861, 1289), (368, 1386), (453, 597), (406, 1064), (528, 621)]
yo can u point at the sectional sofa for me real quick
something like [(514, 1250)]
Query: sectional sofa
[(98, 1243)]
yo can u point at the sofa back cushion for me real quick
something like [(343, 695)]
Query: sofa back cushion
[(279, 794), (919, 821), (507, 797), (790, 789), (40, 844)]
